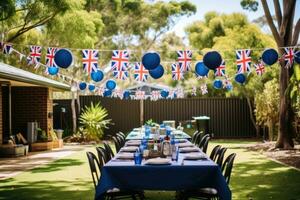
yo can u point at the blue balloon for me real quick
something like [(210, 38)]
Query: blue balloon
[(126, 95), (111, 84), (269, 56), (157, 72), (201, 69), (164, 93), (82, 86), (240, 78), (97, 76), (53, 70), (63, 58), (107, 93), (297, 57), (212, 60), (151, 60), (218, 84), (92, 87)]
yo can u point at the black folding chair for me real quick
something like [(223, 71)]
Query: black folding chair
[(102, 155), (122, 135), (220, 156), (117, 143), (195, 135), (214, 152), (115, 193), (227, 166), (204, 144), (110, 153)]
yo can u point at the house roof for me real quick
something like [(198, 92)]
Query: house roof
[(151, 86), (9, 72)]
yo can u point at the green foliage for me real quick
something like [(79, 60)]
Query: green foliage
[(7, 8), (93, 121), (267, 106), (251, 5), (150, 122)]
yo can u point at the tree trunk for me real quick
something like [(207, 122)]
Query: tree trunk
[(284, 139), (252, 118), (74, 118), (271, 130)]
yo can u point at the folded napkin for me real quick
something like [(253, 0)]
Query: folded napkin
[(181, 145), (133, 143), (124, 156), (158, 161), (129, 149), (188, 149), (181, 140), (195, 156)]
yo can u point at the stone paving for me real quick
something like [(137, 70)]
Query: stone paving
[(10, 167)]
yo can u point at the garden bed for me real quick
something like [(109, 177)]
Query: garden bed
[(288, 157)]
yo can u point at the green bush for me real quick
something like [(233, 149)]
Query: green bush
[(93, 121)]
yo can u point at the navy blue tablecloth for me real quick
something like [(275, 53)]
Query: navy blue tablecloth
[(192, 174)]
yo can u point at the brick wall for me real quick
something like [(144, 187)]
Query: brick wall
[(30, 104), (1, 123)]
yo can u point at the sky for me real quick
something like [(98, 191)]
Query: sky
[(222, 6)]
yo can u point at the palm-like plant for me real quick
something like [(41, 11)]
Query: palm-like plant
[(93, 121)]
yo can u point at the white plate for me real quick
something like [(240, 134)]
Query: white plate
[(189, 149), (158, 161), (129, 149), (124, 156), (133, 143), (181, 145), (181, 140), (194, 156)]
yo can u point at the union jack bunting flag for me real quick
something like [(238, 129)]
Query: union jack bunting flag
[(118, 93), (155, 95), (119, 60), (122, 75), (179, 93), (101, 91), (220, 71), (50, 57), (177, 73), (184, 59), (35, 54), (203, 89), (259, 68), (90, 60), (289, 57), (139, 95), (140, 72), (7, 48), (243, 60)]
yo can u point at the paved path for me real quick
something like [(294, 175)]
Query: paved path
[(10, 167)]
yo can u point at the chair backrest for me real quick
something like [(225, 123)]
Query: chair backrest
[(121, 134), (109, 151), (121, 140), (227, 166), (195, 135), (214, 152), (198, 138), (102, 156), (205, 144), (202, 141), (220, 156), (117, 143), (94, 167)]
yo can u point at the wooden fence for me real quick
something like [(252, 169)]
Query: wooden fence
[(229, 117)]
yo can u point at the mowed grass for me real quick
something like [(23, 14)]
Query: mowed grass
[(254, 177)]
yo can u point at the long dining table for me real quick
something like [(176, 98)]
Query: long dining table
[(177, 175)]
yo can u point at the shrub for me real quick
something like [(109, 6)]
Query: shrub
[(93, 121)]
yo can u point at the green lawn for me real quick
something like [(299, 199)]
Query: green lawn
[(254, 177)]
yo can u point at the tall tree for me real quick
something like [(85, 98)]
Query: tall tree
[(286, 33)]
